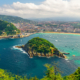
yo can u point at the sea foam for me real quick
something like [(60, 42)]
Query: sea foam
[(20, 49)]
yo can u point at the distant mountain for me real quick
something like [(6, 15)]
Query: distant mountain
[(7, 28), (15, 19), (64, 19)]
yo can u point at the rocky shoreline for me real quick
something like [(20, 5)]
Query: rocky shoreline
[(15, 36), (32, 53)]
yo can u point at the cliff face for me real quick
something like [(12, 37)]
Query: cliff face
[(33, 53)]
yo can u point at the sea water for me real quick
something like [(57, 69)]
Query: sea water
[(18, 62)]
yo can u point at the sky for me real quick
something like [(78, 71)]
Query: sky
[(40, 8), (3, 2)]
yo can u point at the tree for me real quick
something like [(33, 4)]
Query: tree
[(50, 73)]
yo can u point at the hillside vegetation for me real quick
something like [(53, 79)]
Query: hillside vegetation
[(41, 47), (14, 19), (52, 73), (7, 28)]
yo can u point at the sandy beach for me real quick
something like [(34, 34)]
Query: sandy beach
[(63, 33)]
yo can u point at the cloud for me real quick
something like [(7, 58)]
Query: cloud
[(48, 8)]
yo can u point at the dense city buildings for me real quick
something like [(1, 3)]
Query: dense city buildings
[(49, 26)]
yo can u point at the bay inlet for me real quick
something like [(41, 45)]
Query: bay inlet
[(18, 62)]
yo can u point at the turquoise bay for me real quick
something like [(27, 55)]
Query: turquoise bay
[(18, 62)]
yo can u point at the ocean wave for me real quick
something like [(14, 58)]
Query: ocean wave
[(66, 59), (56, 40), (20, 49)]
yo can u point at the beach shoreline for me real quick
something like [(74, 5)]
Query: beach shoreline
[(6, 37), (62, 33)]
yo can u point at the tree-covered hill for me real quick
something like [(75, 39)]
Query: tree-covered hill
[(41, 47), (14, 19), (7, 28)]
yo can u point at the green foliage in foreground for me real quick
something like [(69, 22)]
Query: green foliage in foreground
[(8, 28), (50, 75), (41, 45)]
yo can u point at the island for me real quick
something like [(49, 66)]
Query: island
[(41, 47)]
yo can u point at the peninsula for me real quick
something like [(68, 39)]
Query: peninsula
[(8, 30), (41, 47)]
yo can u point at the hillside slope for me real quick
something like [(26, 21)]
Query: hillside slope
[(14, 19), (7, 28)]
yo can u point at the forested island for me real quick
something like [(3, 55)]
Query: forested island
[(7, 28), (41, 47)]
